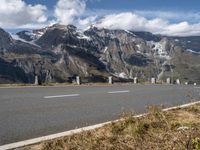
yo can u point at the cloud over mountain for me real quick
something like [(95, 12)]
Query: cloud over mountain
[(67, 11), (132, 21), (17, 13)]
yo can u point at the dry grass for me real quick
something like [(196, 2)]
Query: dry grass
[(174, 130)]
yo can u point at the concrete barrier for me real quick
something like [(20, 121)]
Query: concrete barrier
[(178, 81), (153, 80), (168, 80), (110, 80), (36, 80), (135, 80), (78, 80)]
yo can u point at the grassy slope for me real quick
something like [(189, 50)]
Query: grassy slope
[(177, 129)]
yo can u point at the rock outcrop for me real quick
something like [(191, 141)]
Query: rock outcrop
[(58, 53)]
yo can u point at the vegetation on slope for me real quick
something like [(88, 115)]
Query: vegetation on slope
[(176, 129)]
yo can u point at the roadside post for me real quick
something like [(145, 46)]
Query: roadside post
[(178, 81), (110, 80), (168, 80), (153, 80), (135, 80), (78, 80), (36, 80)]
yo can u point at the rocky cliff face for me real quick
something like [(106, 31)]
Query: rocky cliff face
[(5, 40), (57, 53)]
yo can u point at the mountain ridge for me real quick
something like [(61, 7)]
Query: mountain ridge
[(58, 52)]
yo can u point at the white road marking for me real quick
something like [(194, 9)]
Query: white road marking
[(60, 96), (76, 131), (197, 87), (116, 92)]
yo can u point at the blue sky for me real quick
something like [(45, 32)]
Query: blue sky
[(181, 5), (170, 17), (148, 4)]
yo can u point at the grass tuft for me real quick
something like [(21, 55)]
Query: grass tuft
[(176, 129)]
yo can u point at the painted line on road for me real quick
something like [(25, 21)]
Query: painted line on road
[(76, 131), (116, 92), (60, 96), (197, 87)]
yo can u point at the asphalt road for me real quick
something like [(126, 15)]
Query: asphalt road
[(32, 112)]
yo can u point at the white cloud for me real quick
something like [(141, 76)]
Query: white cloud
[(73, 12), (83, 23), (37, 25), (16, 13), (67, 11), (182, 29), (170, 15), (132, 21)]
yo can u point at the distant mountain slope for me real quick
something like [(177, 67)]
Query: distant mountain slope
[(57, 53), (190, 43)]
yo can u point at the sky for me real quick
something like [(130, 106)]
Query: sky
[(132, 4), (168, 17)]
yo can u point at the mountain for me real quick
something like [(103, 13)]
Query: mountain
[(58, 53), (191, 43)]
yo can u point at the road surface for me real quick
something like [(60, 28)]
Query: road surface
[(31, 112)]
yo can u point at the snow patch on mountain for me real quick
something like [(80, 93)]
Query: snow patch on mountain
[(121, 75), (105, 49), (139, 46), (16, 37), (34, 36), (129, 32), (191, 51), (176, 40), (159, 49), (81, 35)]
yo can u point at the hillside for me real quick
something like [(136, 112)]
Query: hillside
[(58, 53)]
